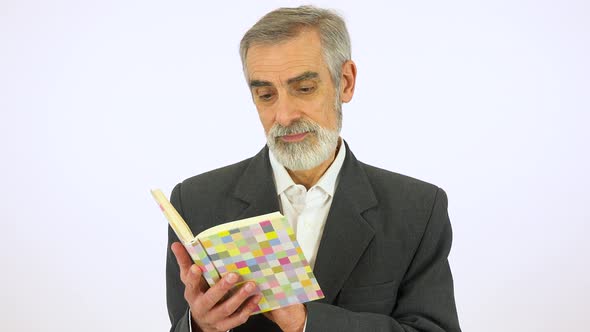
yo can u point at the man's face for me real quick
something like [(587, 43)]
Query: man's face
[(292, 89)]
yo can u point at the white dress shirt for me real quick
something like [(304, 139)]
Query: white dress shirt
[(306, 210)]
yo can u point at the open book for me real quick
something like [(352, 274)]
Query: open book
[(262, 249)]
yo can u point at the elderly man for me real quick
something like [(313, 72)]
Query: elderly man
[(378, 241)]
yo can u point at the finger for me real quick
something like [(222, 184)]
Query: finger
[(240, 316), (229, 306), (210, 298), (194, 284), (203, 284), (268, 315), (182, 257)]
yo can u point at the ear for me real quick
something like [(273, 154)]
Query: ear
[(347, 81)]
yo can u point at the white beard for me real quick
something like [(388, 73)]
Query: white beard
[(317, 146)]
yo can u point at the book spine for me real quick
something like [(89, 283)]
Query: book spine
[(199, 256)]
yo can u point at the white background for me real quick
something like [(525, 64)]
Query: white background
[(102, 100)]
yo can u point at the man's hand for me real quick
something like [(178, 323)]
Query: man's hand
[(289, 319), (210, 312)]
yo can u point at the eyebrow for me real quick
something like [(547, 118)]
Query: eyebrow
[(305, 76), (259, 83)]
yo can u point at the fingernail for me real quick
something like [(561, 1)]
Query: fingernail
[(232, 277), (249, 287), (194, 269)]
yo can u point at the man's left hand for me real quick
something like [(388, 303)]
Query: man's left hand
[(289, 319)]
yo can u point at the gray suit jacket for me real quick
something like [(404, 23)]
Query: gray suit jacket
[(382, 261)]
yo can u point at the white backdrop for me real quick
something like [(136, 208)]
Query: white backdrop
[(103, 100)]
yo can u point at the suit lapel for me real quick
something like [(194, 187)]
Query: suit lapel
[(346, 233), (255, 191)]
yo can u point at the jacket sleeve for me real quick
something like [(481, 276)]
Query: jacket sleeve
[(425, 300), (177, 306)]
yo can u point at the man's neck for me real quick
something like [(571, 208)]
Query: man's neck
[(309, 177)]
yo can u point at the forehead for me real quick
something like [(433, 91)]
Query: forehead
[(286, 59)]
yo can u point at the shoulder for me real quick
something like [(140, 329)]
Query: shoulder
[(202, 199), (393, 188), (406, 206), (401, 190), (213, 182), (222, 174)]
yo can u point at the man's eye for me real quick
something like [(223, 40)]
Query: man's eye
[(265, 97), (306, 89)]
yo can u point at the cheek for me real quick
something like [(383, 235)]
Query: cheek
[(328, 113), (267, 119)]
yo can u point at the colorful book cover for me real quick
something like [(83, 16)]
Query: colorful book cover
[(262, 249)]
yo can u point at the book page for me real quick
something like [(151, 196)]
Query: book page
[(174, 219), (238, 223)]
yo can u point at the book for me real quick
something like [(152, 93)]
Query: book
[(261, 249)]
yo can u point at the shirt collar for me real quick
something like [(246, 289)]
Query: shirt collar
[(327, 182)]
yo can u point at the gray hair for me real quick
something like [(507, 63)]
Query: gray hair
[(285, 23)]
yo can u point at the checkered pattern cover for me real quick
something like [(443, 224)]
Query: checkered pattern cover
[(199, 256), (265, 252)]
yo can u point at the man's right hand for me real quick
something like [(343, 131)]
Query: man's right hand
[(210, 312)]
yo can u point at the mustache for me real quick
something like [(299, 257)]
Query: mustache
[(297, 127)]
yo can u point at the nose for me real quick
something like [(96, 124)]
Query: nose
[(287, 110)]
